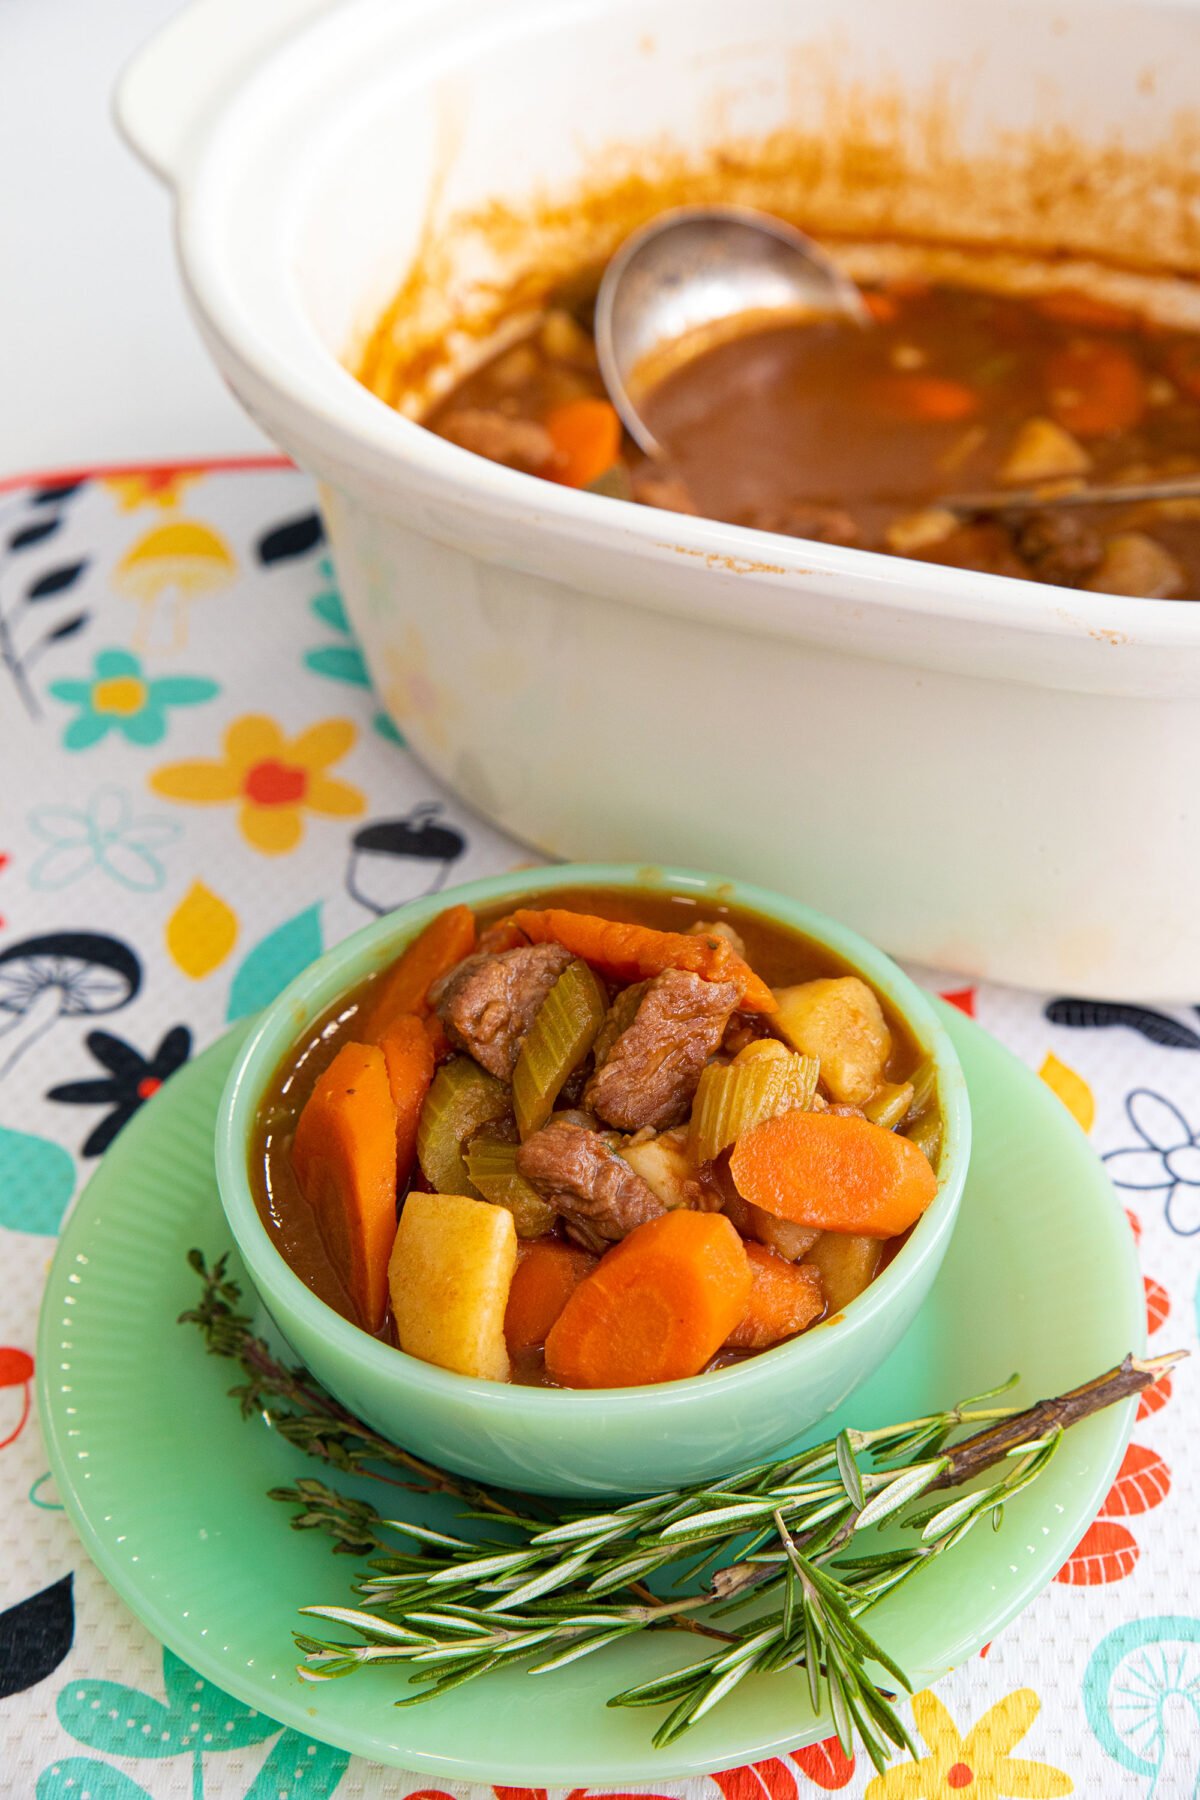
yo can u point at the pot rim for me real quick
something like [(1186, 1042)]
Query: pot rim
[(271, 353)]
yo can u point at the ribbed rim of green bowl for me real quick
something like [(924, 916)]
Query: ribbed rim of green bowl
[(287, 1296)]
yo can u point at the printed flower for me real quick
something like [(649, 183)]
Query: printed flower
[(102, 834), (131, 1080), (977, 1766), (410, 692), (164, 488), (273, 779), (120, 697), (1167, 1160)]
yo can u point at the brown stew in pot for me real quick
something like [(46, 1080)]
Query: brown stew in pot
[(601, 1141), (823, 430)]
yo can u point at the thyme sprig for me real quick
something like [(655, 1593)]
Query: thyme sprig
[(544, 1584)]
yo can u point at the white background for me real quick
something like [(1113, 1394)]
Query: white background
[(99, 361)]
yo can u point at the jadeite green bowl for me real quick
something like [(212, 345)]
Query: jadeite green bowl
[(617, 1440)]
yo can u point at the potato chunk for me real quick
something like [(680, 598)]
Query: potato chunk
[(839, 1020), (846, 1265), (1043, 451), (449, 1274), (662, 1162)]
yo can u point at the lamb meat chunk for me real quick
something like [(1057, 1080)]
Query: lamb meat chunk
[(1060, 546), (650, 1071), (488, 1003), (586, 1181), (518, 443)]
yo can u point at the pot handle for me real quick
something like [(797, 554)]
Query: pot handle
[(174, 82)]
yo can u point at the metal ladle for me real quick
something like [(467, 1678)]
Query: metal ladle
[(689, 272)]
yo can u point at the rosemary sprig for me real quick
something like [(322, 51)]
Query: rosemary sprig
[(545, 1584)]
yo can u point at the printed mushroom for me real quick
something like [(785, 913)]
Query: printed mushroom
[(177, 563), (16, 1371), (1142, 1695), (60, 974), (393, 861)]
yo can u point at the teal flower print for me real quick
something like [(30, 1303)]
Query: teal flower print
[(121, 697), (104, 833)]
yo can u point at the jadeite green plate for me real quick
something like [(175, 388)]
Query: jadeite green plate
[(167, 1484)]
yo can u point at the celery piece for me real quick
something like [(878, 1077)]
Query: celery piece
[(492, 1167), (615, 482), (733, 1097), (462, 1098), (924, 1087), (926, 1133), (890, 1104), (561, 1035)]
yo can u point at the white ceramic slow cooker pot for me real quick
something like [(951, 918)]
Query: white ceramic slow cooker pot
[(981, 773)]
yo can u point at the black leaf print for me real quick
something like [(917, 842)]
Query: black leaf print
[(68, 628), (59, 490), (56, 581), (35, 1635), (34, 534), (1158, 1028), (296, 537)]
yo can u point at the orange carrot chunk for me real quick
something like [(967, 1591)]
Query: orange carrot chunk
[(404, 987), (1094, 388), (408, 1054), (586, 435), (344, 1159), (835, 1172), (547, 1275), (934, 399), (636, 952), (657, 1307), (784, 1298), (1070, 307)]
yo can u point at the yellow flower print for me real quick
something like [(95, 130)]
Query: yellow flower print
[(415, 700), (272, 779), (975, 1767), (164, 488)]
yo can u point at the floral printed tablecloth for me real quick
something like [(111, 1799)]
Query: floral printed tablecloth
[(199, 793)]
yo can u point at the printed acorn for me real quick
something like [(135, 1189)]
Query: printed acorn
[(393, 861)]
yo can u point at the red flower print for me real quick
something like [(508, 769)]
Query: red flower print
[(1143, 1481), (16, 1370), (963, 998), (770, 1780), (1106, 1552), (1153, 1399), (826, 1764), (1158, 1303)]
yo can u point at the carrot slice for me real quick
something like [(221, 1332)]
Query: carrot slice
[(834, 1171), (1070, 307), (636, 952), (882, 306), (409, 1058), (657, 1307), (404, 987), (586, 435), (547, 1275), (1094, 388), (344, 1159), (784, 1298), (439, 1043), (1183, 365), (500, 935), (932, 398)]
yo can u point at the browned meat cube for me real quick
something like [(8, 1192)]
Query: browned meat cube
[(488, 1003), (518, 443), (586, 1181), (649, 1074)]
